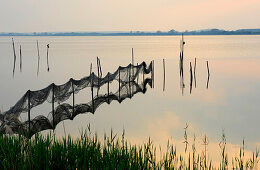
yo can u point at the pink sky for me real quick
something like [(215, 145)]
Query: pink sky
[(126, 15)]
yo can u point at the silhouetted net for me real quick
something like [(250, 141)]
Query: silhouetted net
[(128, 85)]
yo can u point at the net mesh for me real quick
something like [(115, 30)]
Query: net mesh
[(128, 85)]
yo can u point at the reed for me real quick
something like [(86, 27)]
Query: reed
[(113, 152)]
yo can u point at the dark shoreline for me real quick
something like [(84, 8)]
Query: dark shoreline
[(139, 33)]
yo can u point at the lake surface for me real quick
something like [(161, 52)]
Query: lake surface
[(231, 102)]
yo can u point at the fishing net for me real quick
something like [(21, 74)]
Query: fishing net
[(128, 85)]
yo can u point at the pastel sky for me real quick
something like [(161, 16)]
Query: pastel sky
[(127, 15)]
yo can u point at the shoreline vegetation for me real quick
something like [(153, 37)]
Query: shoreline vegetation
[(139, 33), (113, 152)]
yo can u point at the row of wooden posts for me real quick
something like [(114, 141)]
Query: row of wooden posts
[(192, 74), (38, 53)]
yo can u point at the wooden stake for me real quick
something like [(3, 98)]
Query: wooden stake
[(98, 76), (14, 56), (20, 58), (208, 74), (195, 83), (133, 56), (108, 84), (98, 71), (129, 75), (73, 96), (208, 68), (143, 74), (153, 73), (163, 74), (92, 95), (137, 76), (53, 97), (132, 68), (29, 112), (100, 67), (48, 67), (119, 82), (191, 78), (38, 58), (90, 69)]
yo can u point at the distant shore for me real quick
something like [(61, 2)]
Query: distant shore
[(139, 33)]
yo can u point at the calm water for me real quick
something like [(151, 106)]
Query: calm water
[(231, 102)]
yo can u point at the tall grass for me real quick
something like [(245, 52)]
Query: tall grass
[(113, 152)]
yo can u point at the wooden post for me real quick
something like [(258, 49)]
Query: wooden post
[(143, 73), (48, 67), (208, 75), (132, 68), (100, 67), (98, 76), (191, 78), (153, 73), (14, 56), (195, 83), (53, 97), (133, 56), (20, 58), (92, 95), (108, 84), (163, 74), (90, 69), (29, 112), (129, 71), (98, 71), (138, 75), (208, 68), (119, 82), (38, 58), (73, 97)]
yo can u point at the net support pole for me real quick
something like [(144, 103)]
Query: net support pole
[(195, 83), (137, 77), (98, 76), (53, 106), (38, 58), (143, 73), (98, 72), (108, 83), (29, 113), (208, 68), (73, 97), (191, 78), (90, 71), (20, 58), (119, 82), (48, 67), (208, 74), (14, 56), (163, 74), (153, 73), (132, 56), (132, 68), (92, 95), (100, 67), (129, 82)]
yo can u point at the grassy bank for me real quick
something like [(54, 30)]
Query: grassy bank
[(113, 152)]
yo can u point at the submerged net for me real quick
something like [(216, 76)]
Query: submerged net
[(128, 85)]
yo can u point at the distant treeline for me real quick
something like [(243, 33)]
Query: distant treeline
[(140, 33)]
